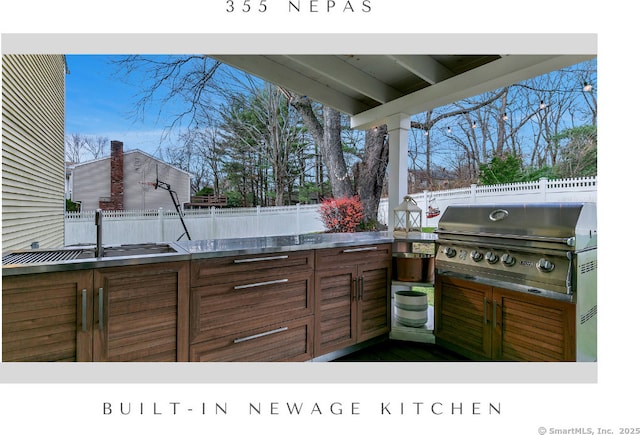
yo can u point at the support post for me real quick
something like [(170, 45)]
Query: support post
[(398, 127)]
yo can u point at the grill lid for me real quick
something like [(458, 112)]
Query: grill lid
[(566, 223)]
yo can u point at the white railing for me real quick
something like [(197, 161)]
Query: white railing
[(143, 226)]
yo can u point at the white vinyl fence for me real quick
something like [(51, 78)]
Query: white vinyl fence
[(544, 190), (164, 225), (145, 226)]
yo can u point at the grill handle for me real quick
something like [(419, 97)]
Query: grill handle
[(569, 241)]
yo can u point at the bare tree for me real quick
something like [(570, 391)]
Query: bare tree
[(80, 147), (96, 146), (74, 145), (521, 120), (170, 79)]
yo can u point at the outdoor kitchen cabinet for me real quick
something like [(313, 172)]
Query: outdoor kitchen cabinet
[(533, 328), (491, 323), (352, 296), (43, 316), (253, 307), (127, 313), (140, 313)]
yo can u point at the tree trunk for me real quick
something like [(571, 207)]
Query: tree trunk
[(333, 155), (371, 173)]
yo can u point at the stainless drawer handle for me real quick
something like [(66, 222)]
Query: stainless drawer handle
[(252, 260), (263, 334), (260, 284), (100, 308), (84, 310), (370, 248)]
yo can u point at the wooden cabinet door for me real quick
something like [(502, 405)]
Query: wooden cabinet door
[(374, 300), (141, 313), (335, 309), (47, 317), (529, 328), (463, 316), (353, 294)]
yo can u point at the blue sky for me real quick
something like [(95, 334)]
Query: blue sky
[(101, 104)]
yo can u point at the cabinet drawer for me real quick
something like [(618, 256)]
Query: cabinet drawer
[(227, 308), (225, 269), (285, 341), (350, 255)]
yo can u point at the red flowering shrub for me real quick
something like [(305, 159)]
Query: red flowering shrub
[(341, 215)]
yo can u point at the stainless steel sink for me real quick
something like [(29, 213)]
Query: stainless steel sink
[(139, 249), (130, 250)]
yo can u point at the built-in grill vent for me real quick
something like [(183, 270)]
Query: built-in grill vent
[(588, 267), (40, 257), (584, 318)]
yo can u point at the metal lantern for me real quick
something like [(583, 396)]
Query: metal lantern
[(407, 218)]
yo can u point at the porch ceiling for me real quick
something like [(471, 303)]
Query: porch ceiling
[(372, 88)]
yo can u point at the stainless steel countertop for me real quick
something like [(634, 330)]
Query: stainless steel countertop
[(199, 249), (259, 245)]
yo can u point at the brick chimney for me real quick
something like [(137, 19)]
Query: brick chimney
[(116, 201)]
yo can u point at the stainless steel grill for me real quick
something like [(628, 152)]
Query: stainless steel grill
[(544, 249)]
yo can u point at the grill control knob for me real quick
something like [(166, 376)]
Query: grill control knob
[(508, 260), (476, 256), (491, 257), (449, 252), (545, 265)]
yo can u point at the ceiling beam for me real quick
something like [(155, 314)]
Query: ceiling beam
[(425, 67), (339, 71), (494, 75)]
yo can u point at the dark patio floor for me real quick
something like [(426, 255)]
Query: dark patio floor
[(402, 351)]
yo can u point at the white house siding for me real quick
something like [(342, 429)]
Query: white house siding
[(33, 97), (91, 181)]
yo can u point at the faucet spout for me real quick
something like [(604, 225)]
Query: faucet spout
[(99, 247)]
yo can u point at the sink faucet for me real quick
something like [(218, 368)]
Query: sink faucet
[(99, 247)]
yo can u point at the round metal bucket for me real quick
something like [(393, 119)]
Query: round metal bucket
[(411, 308), (411, 300), (414, 319)]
